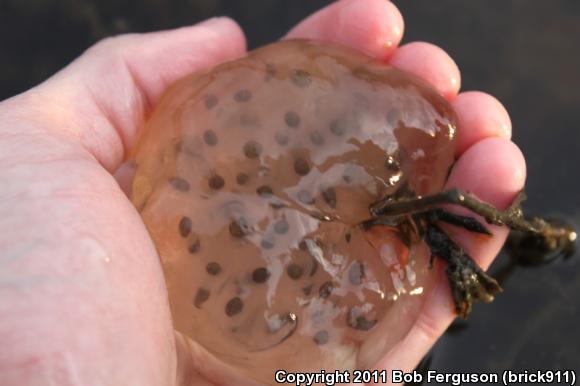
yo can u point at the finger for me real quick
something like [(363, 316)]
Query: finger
[(495, 179), (372, 26), (494, 170), (480, 116), (430, 63), (111, 86)]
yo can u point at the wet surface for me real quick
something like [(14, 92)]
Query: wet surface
[(525, 54), (286, 272)]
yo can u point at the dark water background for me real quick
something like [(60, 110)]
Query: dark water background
[(526, 53)]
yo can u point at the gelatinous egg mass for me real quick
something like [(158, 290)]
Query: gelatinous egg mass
[(252, 179)]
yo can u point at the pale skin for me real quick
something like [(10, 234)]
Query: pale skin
[(82, 297)]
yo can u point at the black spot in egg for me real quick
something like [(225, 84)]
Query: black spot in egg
[(210, 138), (294, 271), (234, 306), (210, 101), (267, 244), (216, 182), (240, 227), (329, 195), (305, 197), (179, 184), (242, 178), (281, 227), (338, 127), (321, 337), (260, 275), (243, 95), (301, 166), (201, 296), (185, 226), (358, 321), (356, 273), (307, 290), (300, 78), (364, 324), (252, 149), (213, 268), (282, 138), (195, 245), (325, 289), (316, 138), (292, 119), (264, 191)]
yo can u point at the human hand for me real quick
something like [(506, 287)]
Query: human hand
[(82, 297)]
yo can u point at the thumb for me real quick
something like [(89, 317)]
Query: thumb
[(87, 275)]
